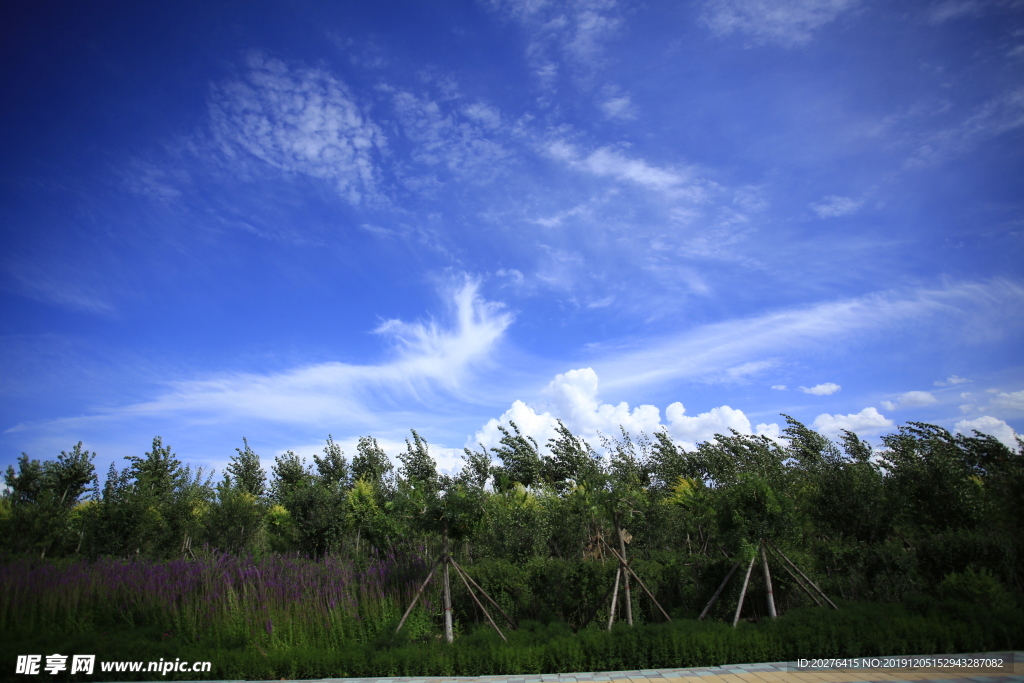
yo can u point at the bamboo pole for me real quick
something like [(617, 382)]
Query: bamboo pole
[(718, 592), (622, 561), (743, 592), (798, 581), (417, 596), (478, 604), (806, 578), (768, 583), (615, 596), (642, 584), (509, 619)]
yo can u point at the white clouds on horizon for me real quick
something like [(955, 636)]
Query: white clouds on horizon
[(989, 425), (785, 22), (573, 398), (869, 421)]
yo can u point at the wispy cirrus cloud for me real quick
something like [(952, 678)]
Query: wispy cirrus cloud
[(783, 22), (834, 206), (429, 360), (297, 120), (708, 352), (574, 31)]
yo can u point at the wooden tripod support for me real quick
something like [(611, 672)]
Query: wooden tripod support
[(765, 546), (446, 561)]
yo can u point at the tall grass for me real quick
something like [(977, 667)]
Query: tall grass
[(270, 601)]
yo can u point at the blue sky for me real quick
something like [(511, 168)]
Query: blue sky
[(288, 220)]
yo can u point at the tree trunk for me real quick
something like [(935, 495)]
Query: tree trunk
[(743, 592), (768, 583)]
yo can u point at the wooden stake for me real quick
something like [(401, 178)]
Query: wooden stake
[(449, 635), (622, 561), (718, 592), (798, 581), (642, 585), (743, 592), (417, 596), (806, 578), (615, 596), (768, 582), (473, 595), (509, 619)]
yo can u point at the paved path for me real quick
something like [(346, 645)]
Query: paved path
[(776, 672)]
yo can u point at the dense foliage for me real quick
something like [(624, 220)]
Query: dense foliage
[(329, 553)]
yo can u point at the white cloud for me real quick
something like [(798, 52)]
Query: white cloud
[(619, 108), (785, 22), (952, 380), (575, 30), (989, 425), (608, 162), (1009, 401), (297, 120), (464, 140), (779, 387), (573, 398), (833, 206), (826, 389), (868, 420), (998, 115), (911, 399), (707, 351), (427, 358)]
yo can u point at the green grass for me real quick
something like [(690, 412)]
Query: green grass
[(857, 629)]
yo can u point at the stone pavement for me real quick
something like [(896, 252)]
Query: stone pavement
[(776, 672)]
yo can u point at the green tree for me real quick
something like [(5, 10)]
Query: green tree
[(246, 472)]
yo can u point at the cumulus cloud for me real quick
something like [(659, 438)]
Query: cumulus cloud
[(950, 381), (989, 425), (868, 420), (826, 389), (297, 120), (833, 206), (784, 22), (573, 398)]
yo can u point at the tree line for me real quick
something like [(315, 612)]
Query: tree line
[(876, 523)]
